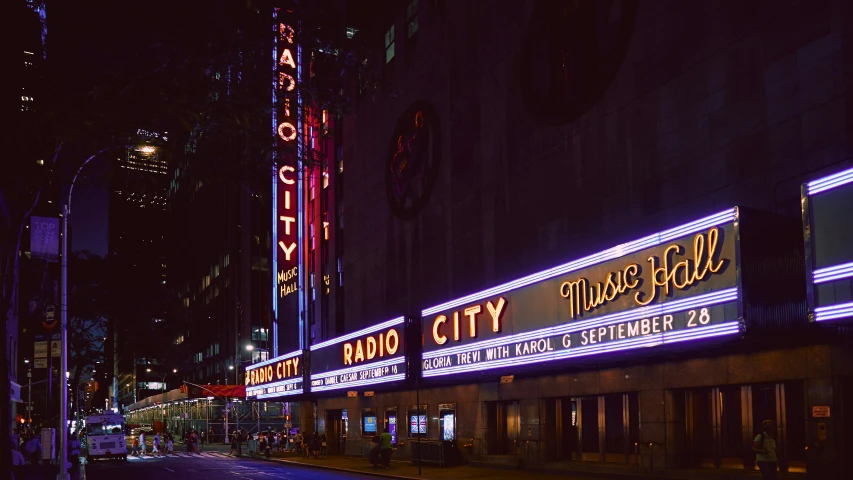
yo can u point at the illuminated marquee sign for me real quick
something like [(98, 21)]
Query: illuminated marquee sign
[(278, 377), (287, 187), (828, 229), (675, 286), (370, 356)]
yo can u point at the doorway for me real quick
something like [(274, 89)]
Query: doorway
[(502, 428), (336, 432)]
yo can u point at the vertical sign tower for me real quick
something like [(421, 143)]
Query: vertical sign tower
[(287, 188)]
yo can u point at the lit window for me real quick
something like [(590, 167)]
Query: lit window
[(389, 44), (260, 334), (351, 32), (412, 17)]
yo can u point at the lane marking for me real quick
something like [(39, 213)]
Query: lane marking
[(169, 469)]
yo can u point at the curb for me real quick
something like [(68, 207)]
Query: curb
[(337, 469)]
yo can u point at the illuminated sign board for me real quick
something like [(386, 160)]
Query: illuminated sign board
[(286, 191), (674, 286), (371, 356), (828, 229), (277, 377)]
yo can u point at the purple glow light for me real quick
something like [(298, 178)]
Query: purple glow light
[(829, 182), (359, 383), (273, 360), (836, 272), (709, 299), (609, 254), (696, 333), (360, 368), (365, 331), (833, 312)]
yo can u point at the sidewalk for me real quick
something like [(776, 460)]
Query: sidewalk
[(406, 471)]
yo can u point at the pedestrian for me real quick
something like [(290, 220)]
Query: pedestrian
[(156, 444), (233, 443), (202, 436), (134, 450), (764, 447), (73, 450), (385, 448), (210, 435), (315, 445), (170, 443), (33, 449), (17, 462), (193, 445), (323, 445), (142, 443)]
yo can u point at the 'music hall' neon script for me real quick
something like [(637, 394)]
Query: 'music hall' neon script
[(702, 316), (370, 373)]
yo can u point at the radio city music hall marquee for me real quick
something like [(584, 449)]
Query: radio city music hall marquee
[(280, 376), (674, 286), (287, 187), (371, 356)]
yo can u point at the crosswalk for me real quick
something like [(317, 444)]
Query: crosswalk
[(201, 455)]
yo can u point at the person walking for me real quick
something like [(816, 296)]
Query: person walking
[(764, 447), (297, 443), (32, 449), (73, 450), (134, 450), (170, 445), (142, 443), (233, 443), (323, 445), (156, 444), (385, 448)]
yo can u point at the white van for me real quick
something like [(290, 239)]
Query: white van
[(105, 436)]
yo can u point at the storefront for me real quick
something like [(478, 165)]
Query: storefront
[(353, 378), (277, 385)]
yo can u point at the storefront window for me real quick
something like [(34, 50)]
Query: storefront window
[(417, 420), (368, 422), (391, 423), (447, 421)]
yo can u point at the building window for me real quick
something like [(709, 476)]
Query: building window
[(389, 44), (260, 334), (412, 17)]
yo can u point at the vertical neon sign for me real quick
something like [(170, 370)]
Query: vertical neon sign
[(286, 192)]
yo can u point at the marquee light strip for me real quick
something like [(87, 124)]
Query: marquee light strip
[(829, 182), (727, 328), (350, 336), (280, 394), (836, 272), (833, 312), (360, 383), (273, 360), (709, 299), (370, 366), (609, 254), (276, 384)]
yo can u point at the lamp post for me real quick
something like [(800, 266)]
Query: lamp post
[(63, 328), (29, 393)]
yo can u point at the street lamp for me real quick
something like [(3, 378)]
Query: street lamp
[(63, 329)]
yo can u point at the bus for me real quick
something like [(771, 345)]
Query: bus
[(105, 436)]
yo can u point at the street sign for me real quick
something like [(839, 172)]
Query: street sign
[(40, 349), (40, 362), (55, 348), (49, 321)]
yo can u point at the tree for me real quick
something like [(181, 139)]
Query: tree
[(87, 314)]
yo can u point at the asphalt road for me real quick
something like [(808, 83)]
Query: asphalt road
[(207, 466)]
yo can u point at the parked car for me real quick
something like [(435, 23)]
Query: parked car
[(142, 428)]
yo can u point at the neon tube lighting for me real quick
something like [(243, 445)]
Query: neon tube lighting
[(360, 383), (727, 328), (370, 366), (276, 384), (375, 328), (280, 394), (829, 182), (836, 272), (715, 298), (273, 360), (609, 254), (833, 312)]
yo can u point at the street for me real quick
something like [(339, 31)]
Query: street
[(208, 465)]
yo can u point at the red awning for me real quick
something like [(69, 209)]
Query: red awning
[(201, 391)]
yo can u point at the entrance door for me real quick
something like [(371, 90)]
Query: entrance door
[(502, 428), (335, 430)]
